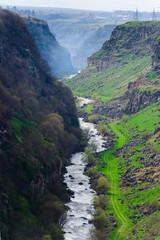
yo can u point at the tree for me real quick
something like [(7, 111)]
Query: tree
[(100, 201), (95, 96), (93, 146), (88, 157), (102, 185), (100, 219), (103, 130), (46, 237), (93, 118)]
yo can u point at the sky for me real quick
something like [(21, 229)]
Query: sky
[(104, 5)]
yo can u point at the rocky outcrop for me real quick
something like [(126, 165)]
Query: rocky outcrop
[(112, 110), (156, 56), (57, 57), (138, 100)]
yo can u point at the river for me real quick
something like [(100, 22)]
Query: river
[(77, 226)]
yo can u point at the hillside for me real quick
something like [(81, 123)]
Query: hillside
[(75, 27), (39, 130), (58, 58), (122, 59), (124, 80)]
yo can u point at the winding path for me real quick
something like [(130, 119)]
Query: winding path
[(114, 199), (112, 173)]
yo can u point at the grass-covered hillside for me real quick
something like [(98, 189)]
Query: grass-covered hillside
[(39, 130), (124, 80), (122, 59)]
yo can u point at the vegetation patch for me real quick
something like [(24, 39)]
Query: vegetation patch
[(127, 202)]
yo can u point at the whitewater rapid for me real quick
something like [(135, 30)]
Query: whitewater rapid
[(77, 226)]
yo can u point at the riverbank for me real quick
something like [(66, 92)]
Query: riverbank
[(132, 167)]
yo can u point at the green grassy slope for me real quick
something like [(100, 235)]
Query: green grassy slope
[(112, 82), (128, 202), (132, 165), (122, 59)]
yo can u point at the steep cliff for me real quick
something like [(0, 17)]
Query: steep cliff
[(123, 59), (39, 130), (156, 55), (57, 57), (138, 37)]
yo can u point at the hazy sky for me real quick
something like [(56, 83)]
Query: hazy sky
[(104, 5)]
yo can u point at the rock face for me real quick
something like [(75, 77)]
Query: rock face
[(139, 100), (156, 55), (39, 130), (57, 57)]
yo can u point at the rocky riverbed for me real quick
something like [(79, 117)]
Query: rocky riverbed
[(77, 226)]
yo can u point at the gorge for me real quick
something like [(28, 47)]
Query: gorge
[(44, 194), (81, 205)]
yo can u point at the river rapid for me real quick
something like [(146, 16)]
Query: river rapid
[(77, 226)]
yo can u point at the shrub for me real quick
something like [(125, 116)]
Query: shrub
[(88, 157), (93, 118), (102, 185), (100, 219), (152, 205), (93, 146), (145, 135), (95, 96), (103, 130), (51, 209), (91, 172), (55, 233), (100, 201), (18, 203), (47, 237)]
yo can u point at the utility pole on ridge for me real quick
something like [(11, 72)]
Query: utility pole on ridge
[(136, 15)]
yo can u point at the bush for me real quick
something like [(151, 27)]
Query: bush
[(93, 118), (145, 135), (100, 219), (152, 227), (18, 203), (93, 146), (100, 201), (95, 96), (55, 233), (91, 172), (152, 205), (103, 130), (47, 237), (88, 157), (102, 185), (50, 210)]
